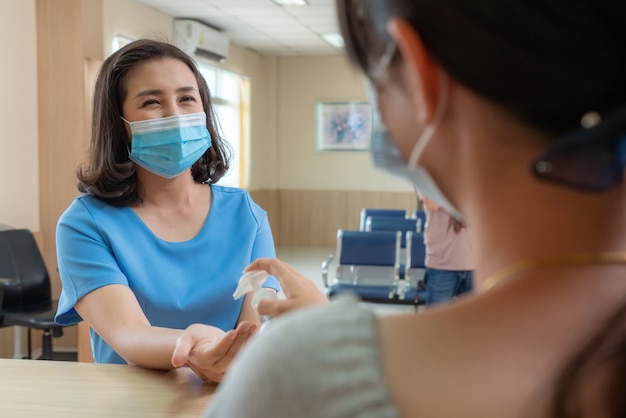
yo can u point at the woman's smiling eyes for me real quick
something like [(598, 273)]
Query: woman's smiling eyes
[(150, 102), (188, 99), (155, 102)]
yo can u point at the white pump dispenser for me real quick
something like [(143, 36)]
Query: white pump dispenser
[(251, 282)]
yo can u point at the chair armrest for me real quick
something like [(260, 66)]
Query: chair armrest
[(325, 265), (4, 283)]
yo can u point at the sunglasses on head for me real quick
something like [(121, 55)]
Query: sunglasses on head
[(592, 158)]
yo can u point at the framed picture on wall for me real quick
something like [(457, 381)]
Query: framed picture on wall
[(342, 126)]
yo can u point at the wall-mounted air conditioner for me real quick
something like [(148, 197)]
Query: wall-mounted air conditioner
[(198, 39)]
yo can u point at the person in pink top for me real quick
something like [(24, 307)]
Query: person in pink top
[(449, 255)]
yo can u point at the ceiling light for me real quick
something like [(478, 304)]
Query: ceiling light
[(291, 2), (335, 39)]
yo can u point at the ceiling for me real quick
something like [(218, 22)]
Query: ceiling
[(262, 25)]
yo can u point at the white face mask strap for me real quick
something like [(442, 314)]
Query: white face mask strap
[(127, 147), (429, 131), (379, 72)]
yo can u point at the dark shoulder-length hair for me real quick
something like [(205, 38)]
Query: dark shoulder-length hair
[(108, 173)]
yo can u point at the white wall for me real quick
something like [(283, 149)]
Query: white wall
[(19, 157)]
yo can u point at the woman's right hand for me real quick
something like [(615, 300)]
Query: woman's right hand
[(299, 290), (208, 351)]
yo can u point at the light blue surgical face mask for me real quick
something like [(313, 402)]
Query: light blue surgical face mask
[(386, 155), (168, 146)]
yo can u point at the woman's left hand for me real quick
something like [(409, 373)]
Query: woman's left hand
[(209, 353)]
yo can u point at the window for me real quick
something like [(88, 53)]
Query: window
[(230, 94), (119, 41)]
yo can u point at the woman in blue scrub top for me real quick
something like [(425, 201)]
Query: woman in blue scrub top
[(151, 252)]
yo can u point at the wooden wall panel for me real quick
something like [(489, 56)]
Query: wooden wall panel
[(69, 41), (310, 218)]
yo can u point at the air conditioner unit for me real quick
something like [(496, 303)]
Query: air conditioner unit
[(198, 39)]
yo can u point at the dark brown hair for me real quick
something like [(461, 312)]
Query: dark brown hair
[(548, 61), (107, 173)]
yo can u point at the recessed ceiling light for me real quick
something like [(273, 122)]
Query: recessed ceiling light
[(291, 2), (335, 39)]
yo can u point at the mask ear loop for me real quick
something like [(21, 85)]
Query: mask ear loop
[(131, 126), (379, 72), (431, 128)]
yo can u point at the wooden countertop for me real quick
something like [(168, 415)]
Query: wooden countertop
[(38, 388)]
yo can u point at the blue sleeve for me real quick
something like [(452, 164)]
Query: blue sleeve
[(264, 242), (85, 261)]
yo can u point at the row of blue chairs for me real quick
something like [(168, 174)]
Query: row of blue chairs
[(376, 266), (381, 219)]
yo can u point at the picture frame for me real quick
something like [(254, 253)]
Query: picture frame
[(342, 125)]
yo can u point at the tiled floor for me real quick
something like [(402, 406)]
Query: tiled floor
[(309, 262)]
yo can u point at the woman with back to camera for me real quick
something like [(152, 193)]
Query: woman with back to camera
[(520, 113), (150, 254)]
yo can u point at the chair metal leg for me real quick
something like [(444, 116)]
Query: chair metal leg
[(29, 354), (46, 345), (18, 342)]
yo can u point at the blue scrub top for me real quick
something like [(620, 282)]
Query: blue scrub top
[(176, 283)]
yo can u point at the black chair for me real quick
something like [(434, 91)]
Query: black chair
[(25, 291)]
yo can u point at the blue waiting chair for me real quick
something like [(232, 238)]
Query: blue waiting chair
[(367, 212), (404, 225), (387, 223), (367, 265), (413, 283), (421, 215)]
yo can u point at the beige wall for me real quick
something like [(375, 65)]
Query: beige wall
[(303, 82), (19, 170), (19, 200), (134, 20)]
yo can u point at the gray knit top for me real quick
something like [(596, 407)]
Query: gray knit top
[(319, 362)]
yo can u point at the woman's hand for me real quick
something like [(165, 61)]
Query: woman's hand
[(299, 290), (208, 351)]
